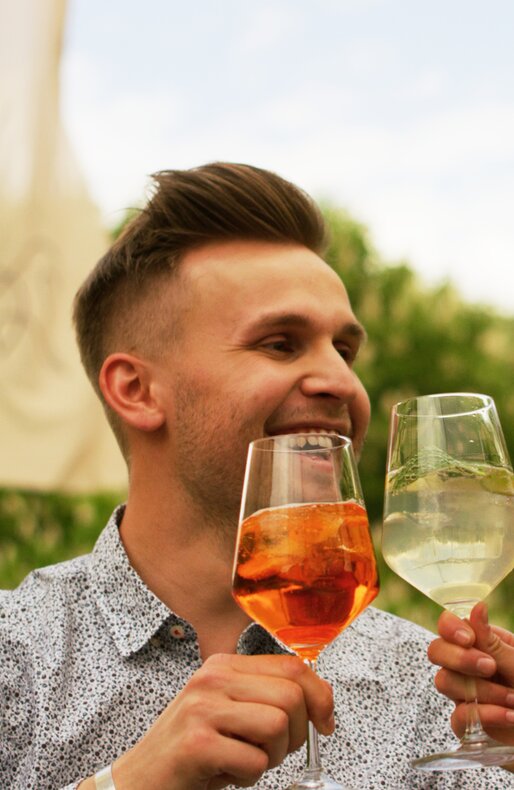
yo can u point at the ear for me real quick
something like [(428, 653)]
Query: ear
[(127, 386)]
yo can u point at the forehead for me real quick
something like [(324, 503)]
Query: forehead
[(244, 280)]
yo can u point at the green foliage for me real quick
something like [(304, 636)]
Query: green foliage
[(128, 215), (38, 529), (420, 341)]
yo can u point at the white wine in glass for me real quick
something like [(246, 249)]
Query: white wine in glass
[(304, 566), (449, 523)]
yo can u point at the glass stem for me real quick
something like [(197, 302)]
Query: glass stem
[(313, 758), (474, 732)]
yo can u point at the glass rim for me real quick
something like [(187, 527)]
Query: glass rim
[(486, 402), (258, 444)]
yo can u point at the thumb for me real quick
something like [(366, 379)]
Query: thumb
[(497, 642)]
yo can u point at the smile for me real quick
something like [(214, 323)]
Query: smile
[(313, 438)]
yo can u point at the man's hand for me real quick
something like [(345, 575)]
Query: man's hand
[(237, 717), (486, 653)]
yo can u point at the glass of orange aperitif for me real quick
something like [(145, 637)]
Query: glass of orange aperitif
[(304, 566)]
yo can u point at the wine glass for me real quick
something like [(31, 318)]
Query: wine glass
[(449, 524), (304, 565)]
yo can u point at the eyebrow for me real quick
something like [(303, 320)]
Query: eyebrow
[(270, 320)]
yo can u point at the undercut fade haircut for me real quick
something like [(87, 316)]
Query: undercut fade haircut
[(117, 306)]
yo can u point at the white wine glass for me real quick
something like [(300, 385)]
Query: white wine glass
[(304, 565), (449, 524)]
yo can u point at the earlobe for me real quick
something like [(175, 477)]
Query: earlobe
[(126, 384)]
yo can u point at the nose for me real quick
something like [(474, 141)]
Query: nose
[(328, 375)]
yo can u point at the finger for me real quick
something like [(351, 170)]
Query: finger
[(453, 629), (277, 693), (468, 661), (204, 756), (264, 726), (491, 643), (317, 692), (318, 695), (505, 636), (496, 720), (231, 761), (270, 714), (223, 780), (453, 685)]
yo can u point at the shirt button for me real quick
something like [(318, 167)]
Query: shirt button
[(155, 641), (177, 631)]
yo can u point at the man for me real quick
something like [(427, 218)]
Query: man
[(212, 321)]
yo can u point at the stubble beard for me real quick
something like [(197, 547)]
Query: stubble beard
[(210, 471)]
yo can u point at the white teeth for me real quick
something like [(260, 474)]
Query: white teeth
[(319, 440), (314, 438), (317, 430), (320, 437)]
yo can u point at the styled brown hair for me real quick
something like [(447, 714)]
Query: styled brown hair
[(187, 209)]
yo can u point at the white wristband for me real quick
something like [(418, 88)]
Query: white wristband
[(103, 779)]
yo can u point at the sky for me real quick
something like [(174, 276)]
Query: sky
[(400, 112)]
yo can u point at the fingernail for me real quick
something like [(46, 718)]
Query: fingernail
[(510, 700), (463, 637), (510, 715), (331, 724), (486, 666)]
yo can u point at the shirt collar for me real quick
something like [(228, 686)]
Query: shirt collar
[(130, 609), (132, 613)]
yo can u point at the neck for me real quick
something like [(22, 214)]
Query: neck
[(186, 566)]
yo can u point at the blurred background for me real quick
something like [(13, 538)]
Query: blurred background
[(398, 118)]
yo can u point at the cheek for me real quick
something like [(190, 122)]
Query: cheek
[(364, 406), (266, 393), (360, 413), (230, 397)]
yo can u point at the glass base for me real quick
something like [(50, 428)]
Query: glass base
[(317, 780), (470, 755)]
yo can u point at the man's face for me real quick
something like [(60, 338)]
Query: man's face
[(267, 341)]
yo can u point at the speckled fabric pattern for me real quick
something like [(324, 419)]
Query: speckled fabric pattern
[(89, 658)]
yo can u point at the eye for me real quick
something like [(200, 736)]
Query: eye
[(347, 353), (278, 345)]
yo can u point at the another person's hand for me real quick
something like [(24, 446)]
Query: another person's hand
[(486, 653), (237, 717)]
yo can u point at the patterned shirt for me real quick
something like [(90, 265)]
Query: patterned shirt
[(89, 658)]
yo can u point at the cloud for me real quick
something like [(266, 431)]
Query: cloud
[(435, 184), (118, 141), (264, 26)]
